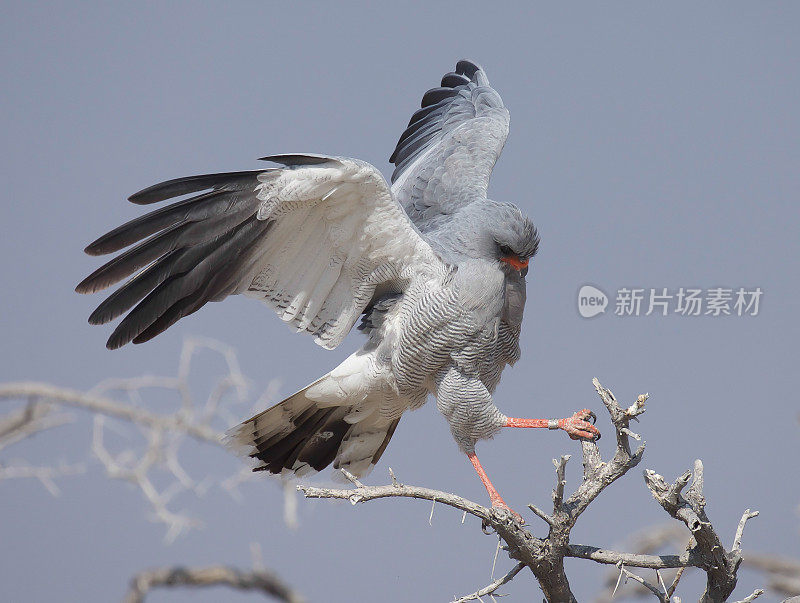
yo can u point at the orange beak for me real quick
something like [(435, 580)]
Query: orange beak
[(515, 262)]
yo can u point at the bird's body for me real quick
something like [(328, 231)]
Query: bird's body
[(434, 268)]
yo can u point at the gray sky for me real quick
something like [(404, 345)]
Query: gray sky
[(652, 148)]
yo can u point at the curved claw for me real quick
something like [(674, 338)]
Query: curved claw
[(578, 427)]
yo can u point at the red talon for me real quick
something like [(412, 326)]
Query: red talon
[(577, 426)]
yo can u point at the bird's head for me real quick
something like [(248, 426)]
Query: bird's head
[(514, 238)]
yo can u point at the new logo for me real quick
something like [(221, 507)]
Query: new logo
[(591, 301)]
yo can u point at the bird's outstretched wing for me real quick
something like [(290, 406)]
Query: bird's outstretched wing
[(445, 156), (314, 239)]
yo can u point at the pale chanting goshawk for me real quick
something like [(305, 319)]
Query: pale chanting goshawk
[(435, 270)]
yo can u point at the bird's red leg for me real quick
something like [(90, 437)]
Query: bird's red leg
[(577, 426), (494, 495)]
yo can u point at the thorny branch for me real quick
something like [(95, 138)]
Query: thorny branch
[(545, 556), (489, 589)]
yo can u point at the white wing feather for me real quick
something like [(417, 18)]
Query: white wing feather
[(338, 234)]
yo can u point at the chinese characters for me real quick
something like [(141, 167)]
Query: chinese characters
[(687, 301)]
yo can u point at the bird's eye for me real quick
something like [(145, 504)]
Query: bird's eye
[(505, 251)]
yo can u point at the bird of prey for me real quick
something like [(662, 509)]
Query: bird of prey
[(434, 268)]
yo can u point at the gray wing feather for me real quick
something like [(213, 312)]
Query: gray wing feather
[(199, 250), (444, 158)]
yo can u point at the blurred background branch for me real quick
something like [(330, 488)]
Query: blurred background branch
[(148, 455)]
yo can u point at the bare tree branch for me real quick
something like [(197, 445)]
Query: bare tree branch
[(108, 407), (45, 475), (29, 420), (752, 597), (720, 565), (582, 551), (260, 580)]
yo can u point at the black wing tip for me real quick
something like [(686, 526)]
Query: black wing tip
[(436, 95), (98, 247), (453, 80), (112, 345), (149, 195), (295, 159), (88, 285), (121, 336), (189, 184), (97, 319), (466, 73), (163, 190), (468, 68)]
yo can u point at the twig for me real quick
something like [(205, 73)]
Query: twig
[(108, 407), (28, 421), (541, 514), (491, 588), (352, 478), (657, 593), (752, 597), (44, 474), (561, 480), (737, 539)]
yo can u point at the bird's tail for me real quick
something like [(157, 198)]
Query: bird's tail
[(302, 435)]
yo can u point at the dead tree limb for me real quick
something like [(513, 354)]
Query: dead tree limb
[(711, 556)]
